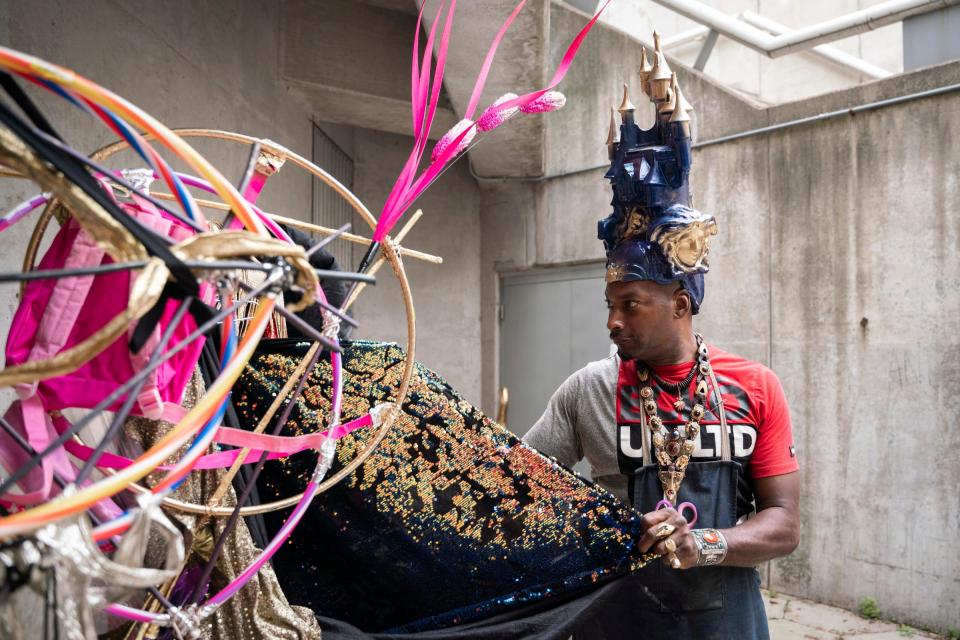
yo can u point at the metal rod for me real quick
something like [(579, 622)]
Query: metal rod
[(251, 165), (325, 241), (824, 51), (326, 274), (334, 310), (305, 327), (344, 317), (706, 50), (20, 276), (870, 106), (112, 267)]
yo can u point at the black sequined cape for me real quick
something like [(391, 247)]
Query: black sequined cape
[(450, 521)]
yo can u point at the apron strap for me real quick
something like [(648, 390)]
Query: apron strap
[(645, 437), (724, 435)]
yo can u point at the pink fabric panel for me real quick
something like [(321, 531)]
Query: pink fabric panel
[(106, 297)]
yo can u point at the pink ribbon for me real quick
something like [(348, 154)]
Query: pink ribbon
[(258, 443)]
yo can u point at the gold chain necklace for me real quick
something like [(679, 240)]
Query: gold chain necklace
[(671, 448)]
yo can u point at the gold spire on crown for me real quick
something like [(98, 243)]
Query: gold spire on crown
[(626, 107), (660, 74), (679, 111), (613, 135), (664, 109), (683, 101), (644, 71)]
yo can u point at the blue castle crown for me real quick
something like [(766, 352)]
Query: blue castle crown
[(653, 232)]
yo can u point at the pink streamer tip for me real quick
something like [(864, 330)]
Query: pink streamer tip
[(493, 116), (550, 101), (452, 135)]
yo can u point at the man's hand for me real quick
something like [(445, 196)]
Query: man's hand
[(656, 524)]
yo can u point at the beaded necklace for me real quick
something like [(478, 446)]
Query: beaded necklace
[(671, 448), (677, 387)]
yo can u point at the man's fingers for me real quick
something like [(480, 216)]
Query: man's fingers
[(659, 524), (681, 546), (654, 517)]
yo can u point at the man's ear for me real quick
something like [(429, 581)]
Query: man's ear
[(682, 305)]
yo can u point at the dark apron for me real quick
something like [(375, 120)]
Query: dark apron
[(716, 603)]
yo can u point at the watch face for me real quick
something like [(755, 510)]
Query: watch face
[(711, 537)]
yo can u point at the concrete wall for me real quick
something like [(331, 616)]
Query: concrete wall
[(350, 62), (864, 323), (183, 64), (836, 264)]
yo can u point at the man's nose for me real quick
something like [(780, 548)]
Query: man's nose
[(614, 322)]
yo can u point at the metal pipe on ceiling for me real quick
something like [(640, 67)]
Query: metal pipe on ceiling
[(806, 37), (824, 51)]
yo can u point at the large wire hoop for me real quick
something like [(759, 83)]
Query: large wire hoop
[(391, 254)]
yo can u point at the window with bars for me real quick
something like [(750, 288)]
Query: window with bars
[(329, 209)]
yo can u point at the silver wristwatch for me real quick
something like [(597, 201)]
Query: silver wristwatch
[(711, 547)]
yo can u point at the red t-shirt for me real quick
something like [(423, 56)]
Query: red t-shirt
[(756, 412)]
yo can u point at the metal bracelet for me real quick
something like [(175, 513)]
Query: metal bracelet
[(711, 547)]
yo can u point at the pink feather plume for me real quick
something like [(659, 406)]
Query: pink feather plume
[(425, 95), (550, 101), (493, 116), (454, 134)]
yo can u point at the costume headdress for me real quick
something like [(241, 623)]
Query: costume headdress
[(653, 232)]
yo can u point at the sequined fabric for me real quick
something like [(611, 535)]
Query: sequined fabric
[(450, 520)]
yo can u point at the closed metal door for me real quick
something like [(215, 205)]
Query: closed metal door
[(329, 209), (553, 322)]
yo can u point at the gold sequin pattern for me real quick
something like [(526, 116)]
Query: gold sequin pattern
[(491, 522)]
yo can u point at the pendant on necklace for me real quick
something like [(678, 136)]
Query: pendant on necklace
[(679, 405)]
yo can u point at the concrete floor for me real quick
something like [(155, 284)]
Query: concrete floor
[(794, 618)]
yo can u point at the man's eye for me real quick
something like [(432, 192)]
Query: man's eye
[(631, 305)]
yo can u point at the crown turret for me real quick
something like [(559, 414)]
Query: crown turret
[(626, 106), (683, 101), (613, 135), (645, 69), (678, 110), (660, 74)]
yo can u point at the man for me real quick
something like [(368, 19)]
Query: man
[(671, 421)]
